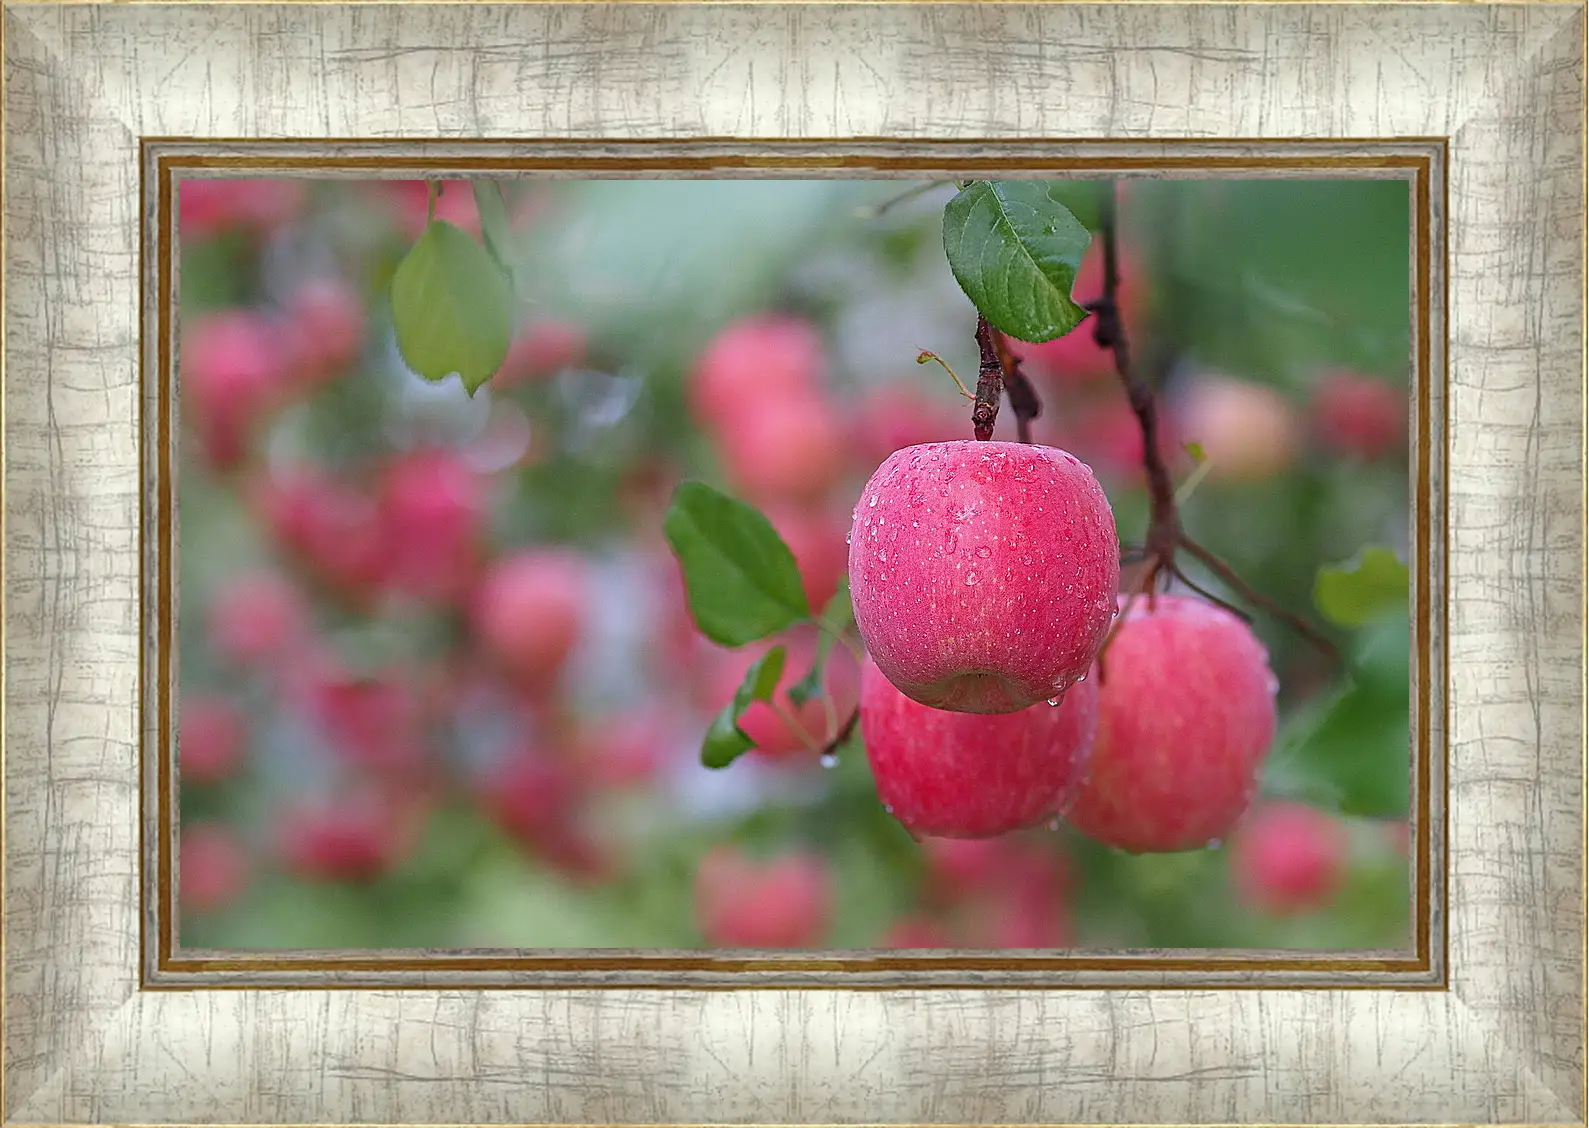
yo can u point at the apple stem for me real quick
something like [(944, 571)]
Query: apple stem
[(1165, 534), (990, 383)]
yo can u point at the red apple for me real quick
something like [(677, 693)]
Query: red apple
[(971, 775), (211, 207), (212, 735), (529, 610), (983, 573), (743, 903), (375, 722), (1359, 416), (956, 866), (1186, 716), (1288, 858)]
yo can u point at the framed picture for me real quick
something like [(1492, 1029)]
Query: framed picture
[(794, 564)]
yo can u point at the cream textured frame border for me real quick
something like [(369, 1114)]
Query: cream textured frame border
[(1504, 85)]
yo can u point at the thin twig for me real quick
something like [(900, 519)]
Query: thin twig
[(1228, 575), (926, 357), (877, 211)]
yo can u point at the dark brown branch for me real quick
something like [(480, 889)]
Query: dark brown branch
[(1165, 535), (990, 383), (1023, 396)]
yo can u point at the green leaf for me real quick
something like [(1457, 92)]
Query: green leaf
[(742, 580), (1371, 586), (452, 307), (835, 619), (1353, 751), (1198, 454), (494, 226), (1015, 249), (725, 741)]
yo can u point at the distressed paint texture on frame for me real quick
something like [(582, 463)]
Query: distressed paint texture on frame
[(82, 1043)]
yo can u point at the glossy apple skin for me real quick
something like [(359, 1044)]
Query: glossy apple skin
[(1186, 716), (971, 775), (984, 574)]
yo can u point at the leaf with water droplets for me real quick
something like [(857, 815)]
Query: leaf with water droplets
[(1015, 250), (725, 741)]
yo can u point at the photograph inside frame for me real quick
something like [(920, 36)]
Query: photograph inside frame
[(793, 564)]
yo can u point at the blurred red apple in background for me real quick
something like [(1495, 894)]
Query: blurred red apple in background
[(1288, 858), (212, 735), (212, 868), (1359, 416), (740, 902), (529, 611), (1248, 431)]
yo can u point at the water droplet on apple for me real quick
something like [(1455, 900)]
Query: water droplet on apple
[(1053, 823), (984, 552), (971, 579), (915, 524), (882, 556), (1274, 685), (1214, 843), (887, 809), (1081, 679), (829, 760), (1054, 700), (872, 502)]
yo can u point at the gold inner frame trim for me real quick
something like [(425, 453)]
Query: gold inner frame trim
[(166, 966)]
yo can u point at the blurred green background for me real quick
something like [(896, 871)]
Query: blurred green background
[(356, 768)]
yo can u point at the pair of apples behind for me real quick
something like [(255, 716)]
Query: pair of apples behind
[(985, 578)]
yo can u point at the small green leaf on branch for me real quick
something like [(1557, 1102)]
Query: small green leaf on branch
[(452, 308), (725, 741), (742, 580)]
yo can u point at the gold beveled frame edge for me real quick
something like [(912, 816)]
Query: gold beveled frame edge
[(1419, 160)]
